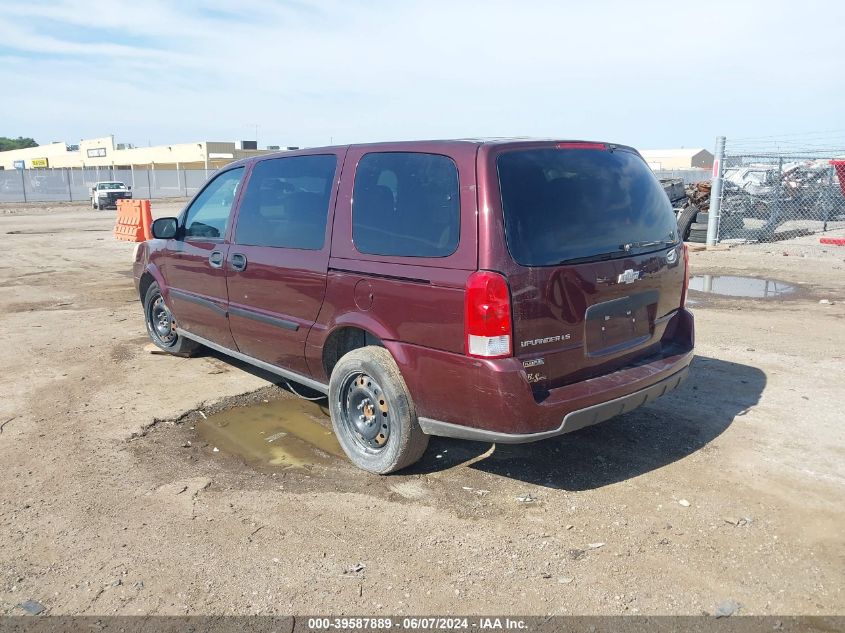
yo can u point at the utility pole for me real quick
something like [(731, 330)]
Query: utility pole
[(716, 192)]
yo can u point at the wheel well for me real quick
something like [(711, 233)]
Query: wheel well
[(342, 341), (146, 281)]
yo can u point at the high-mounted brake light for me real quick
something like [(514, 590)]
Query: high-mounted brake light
[(686, 276), (581, 145), (487, 316)]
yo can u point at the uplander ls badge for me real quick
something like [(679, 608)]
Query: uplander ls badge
[(548, 339), (628, 277)]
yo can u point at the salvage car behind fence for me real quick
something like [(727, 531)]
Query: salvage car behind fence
[(769, 197), (765, 197)]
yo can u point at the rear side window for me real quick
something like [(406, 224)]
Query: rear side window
[(286, 202), (406, 204), (563, 205)]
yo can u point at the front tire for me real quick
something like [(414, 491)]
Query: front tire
[(161, 326), (372, 413)]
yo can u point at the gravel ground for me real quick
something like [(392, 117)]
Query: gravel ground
[(115, 501)]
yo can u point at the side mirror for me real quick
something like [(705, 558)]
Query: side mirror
[(129, 187), (165, 228)]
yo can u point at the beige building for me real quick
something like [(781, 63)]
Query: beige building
[(695, 158), (103, 152)]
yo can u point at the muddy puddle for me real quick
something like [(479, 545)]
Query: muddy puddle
[(286, 433), (741, 287)]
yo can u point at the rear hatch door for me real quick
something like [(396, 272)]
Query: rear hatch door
[(598, 263)]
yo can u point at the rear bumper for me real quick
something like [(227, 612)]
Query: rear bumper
[(469, 398), (572, 421)]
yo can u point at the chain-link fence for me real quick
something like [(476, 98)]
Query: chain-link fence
[(74, 185), (765, 196), (774, 196)]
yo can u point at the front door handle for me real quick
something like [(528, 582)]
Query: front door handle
[(216, 259), (238, 261)]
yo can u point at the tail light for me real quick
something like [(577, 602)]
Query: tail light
[(487, 316), (686, 276)]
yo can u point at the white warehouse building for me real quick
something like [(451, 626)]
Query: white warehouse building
[(693, 158), (104, 152)]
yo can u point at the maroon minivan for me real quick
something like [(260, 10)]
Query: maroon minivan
[(502, 291)]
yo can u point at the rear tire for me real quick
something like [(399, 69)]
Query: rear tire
[(372, 413), (161, 326)]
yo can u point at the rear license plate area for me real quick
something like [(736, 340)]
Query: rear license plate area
[(614, 326)]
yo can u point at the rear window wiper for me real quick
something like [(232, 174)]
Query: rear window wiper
[(593, 258), (622, 251), (628, 247)]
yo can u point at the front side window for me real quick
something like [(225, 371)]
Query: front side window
[(209, 213), (406, 204), (286, 202)]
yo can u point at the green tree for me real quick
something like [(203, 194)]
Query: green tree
[(16, 143)]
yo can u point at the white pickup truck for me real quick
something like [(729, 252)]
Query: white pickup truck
[(106, 194)]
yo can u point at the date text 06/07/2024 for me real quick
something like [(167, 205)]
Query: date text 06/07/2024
[(415, 623)]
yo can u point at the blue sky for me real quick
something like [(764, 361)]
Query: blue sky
[(648, 74)]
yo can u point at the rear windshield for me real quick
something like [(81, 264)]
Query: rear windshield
[(566, 205)]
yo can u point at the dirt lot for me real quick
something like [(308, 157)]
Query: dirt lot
[(114, 499)]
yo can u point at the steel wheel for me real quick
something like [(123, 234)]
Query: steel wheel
[(365, 412), (161, 325), (160, 321), (373, 415)]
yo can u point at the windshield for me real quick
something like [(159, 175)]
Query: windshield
[(573, 204), (111, 185)]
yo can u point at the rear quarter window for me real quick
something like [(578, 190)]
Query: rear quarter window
[(406, 204)]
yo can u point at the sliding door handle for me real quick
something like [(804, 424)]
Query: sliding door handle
[(238, 261)]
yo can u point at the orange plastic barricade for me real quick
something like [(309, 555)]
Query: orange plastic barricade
[(134, 220)]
